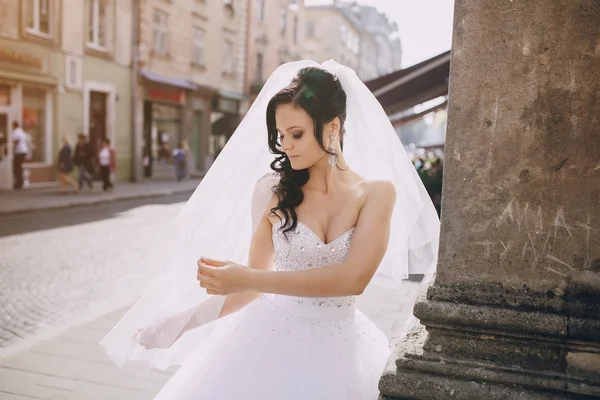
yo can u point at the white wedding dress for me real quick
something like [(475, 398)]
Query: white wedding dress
[(279, 347), (288, 348)]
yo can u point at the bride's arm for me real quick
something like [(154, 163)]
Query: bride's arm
[(260, 258), (170, 329), (351, 277)]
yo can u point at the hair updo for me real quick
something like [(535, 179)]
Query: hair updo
[(320, 95)]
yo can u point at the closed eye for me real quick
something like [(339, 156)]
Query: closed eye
[(295, 136)]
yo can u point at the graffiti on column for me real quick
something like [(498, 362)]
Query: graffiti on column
[(548, 239)]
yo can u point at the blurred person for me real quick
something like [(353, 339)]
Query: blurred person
[(107, 162), (435, 190), (83, 159), (180, 161), (20, 151), (65, 166), (164, 151), (146, 162)]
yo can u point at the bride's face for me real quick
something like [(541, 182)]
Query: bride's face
[(297, 136)]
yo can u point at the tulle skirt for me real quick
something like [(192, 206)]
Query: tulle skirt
[(282, 348)]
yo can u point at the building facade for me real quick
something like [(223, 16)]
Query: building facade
[(354, 35), (62, 72), (388, 49), (275, 36), (189, 88), (331, 33)]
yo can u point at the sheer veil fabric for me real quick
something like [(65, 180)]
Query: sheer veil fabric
[(219, 219)]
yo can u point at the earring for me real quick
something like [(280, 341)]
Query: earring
[(333, 158)]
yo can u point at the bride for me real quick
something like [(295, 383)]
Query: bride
[(341, 218)]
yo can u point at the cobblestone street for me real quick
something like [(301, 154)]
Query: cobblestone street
[(77, 264)]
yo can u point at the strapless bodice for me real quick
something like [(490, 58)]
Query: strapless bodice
[(303, 249)]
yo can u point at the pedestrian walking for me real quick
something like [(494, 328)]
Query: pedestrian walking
[(21, 149), (84, 161), (180, 161), (107, 161), (65, 166)]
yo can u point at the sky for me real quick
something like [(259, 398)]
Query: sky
[(425, 26)]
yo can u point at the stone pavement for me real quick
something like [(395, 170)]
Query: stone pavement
[(79, 270), (72, 366), (51, 198)]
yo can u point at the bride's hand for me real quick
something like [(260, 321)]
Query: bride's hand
[(223, 277), (151, 338)]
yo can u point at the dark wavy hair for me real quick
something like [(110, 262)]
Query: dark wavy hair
[(320, 95)]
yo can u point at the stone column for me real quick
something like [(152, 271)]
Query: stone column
[(514, 312)]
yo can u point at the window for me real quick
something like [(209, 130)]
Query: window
[(343, 34), (73, 73), (356, 45), (295, 29), (198, 46), (353, 42), (261, 10), (259, 68), (38, 17), (228, 58), (4, 97), (34, 122), (283, 22), (97, 24), (159, 43), (310, 28)]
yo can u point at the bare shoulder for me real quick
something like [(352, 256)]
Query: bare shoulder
[(375, 216), (379, 191)]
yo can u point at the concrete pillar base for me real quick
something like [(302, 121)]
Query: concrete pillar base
[(471, 351)]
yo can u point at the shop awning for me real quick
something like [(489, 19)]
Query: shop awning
[(417, 84), (26, 77), (233, 95), (165, 80), (228, 101)]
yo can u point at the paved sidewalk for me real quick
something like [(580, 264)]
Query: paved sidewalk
[(51, 198), (73, 366)]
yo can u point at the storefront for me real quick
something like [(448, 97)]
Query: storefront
[(165, 122), (225, 119), (175, 112), (200, 134), (27, 96)]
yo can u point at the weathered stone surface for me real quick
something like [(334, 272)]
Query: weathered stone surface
[(514, 312), (521, 192), (584, 363), (412, 375)]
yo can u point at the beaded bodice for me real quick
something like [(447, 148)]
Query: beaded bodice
[(303, 249)]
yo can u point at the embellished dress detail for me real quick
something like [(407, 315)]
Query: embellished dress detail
[(288, 348)]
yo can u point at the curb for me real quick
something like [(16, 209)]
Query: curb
[(100, 200)]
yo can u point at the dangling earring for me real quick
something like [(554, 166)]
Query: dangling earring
[(333, 158)]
